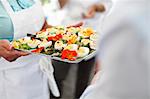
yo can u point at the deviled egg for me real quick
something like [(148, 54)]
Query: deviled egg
[(85, 42), (72, 39), (94, 37), (72, 47), (25, 40), (16, 44), (86, 33), (42, 34), (51, 32), (45, 44), (59, 45), (82, 34), (66, 36), (93, 45), (34, 43), (83, 51)]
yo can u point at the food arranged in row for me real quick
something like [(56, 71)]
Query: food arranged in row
[(65, 42)]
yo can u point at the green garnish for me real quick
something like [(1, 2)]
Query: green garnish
[(25, 46)]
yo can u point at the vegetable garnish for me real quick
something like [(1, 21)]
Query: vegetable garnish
[(38, 50), (55, 38), (70, 55)]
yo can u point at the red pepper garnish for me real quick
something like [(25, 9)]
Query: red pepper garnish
[(50, 38), (55, 38), (38, 50), (70, 55)]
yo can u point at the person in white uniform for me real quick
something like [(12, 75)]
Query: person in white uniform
[(88, 11), (21, 78), (124, 53)]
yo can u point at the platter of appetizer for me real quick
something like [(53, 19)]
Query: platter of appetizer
[(67, 44)]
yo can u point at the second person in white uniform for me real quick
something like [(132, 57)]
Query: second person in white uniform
[(124, 53)]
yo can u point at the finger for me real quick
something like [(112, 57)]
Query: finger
[(87, 16), (91, 13), (13, 55), (79, 24), (21, 53), (11, 59), (6, 44), (76, 25)]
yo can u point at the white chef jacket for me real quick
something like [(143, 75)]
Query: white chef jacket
[(75, 8), (124, 53)]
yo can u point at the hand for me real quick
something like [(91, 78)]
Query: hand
[(95, 78), (7, 51), (100, 7), (76, 25), (93, 9), (90, 13)]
